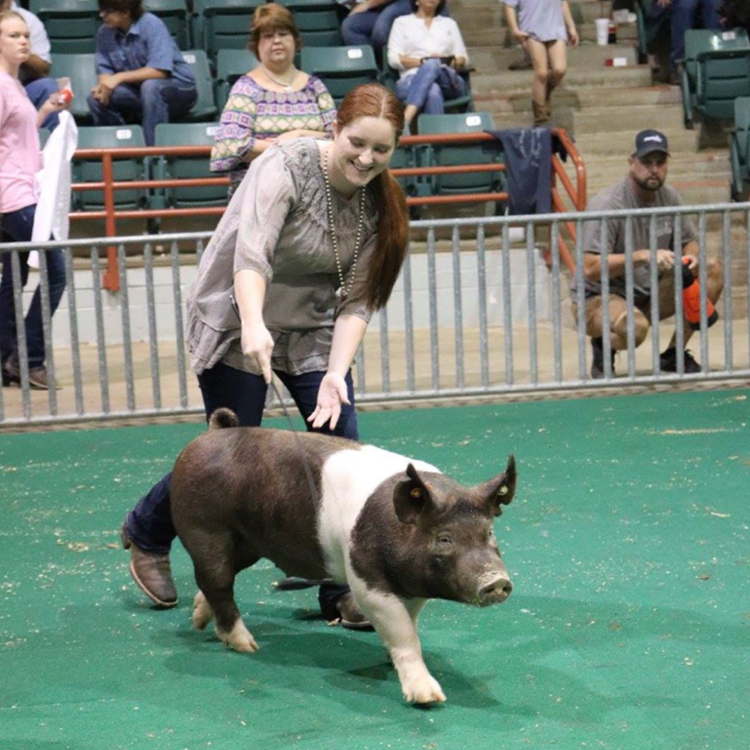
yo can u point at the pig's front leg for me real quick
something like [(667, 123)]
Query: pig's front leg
[(395, 622)]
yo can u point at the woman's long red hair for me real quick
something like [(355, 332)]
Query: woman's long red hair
[(374, 100)]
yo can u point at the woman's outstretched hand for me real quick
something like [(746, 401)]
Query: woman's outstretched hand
[(257, 344), (331, 394)]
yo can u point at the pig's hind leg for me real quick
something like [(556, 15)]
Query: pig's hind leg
[(202, 612), (215, 580)]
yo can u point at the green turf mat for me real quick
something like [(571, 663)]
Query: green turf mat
[(628, 628)]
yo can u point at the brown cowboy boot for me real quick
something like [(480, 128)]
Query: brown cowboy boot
[(541, 114), (151, 571)]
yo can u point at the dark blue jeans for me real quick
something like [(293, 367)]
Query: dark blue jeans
[(17, 227), (430, 86), (150, 522), (373, 27), (683, 17), (155, 101), (38, 92)]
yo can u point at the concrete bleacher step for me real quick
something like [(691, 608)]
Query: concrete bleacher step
[(506, 82), (575, 99), (496, 59), (630, 119)]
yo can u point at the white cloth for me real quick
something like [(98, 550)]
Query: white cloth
[(39, 40), (51, 217), (411, 37)]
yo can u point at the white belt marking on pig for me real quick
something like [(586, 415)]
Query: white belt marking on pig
[(348, 478)]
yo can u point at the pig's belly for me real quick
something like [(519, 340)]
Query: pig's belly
[(348, 478)]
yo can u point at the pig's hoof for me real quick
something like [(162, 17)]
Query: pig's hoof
[(425, 689), (202, 612), (239, 638)]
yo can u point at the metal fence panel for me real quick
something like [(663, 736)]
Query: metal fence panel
[(476, 311)]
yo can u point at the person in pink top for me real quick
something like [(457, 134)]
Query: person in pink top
[(20, 160)]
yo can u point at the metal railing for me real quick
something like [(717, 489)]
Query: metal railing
[(472, 316), (575, 193)]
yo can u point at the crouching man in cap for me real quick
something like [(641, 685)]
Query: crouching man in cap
[(643, 188)]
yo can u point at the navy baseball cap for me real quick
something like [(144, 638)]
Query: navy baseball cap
[(648, 141)]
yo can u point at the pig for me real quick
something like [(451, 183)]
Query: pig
[(396, 530)]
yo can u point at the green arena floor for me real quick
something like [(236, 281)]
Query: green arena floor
[(628, 628)]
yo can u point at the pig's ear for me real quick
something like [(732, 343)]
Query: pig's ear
[(411, 496), (500, 490)]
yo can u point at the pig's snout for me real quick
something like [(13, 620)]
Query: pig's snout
[(495, 591)]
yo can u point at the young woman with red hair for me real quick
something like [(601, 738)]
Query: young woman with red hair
[(310, 246)]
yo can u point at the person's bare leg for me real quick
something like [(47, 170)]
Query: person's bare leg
[(538, 53), (558, 65)]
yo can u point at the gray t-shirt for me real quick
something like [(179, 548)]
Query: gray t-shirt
[(277, 224), (622, 197), (541, 19)]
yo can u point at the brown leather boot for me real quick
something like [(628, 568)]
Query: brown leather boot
[(351, 616), (541, 114), (151, 571)]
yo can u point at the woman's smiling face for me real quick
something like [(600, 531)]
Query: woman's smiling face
[(361, 151)]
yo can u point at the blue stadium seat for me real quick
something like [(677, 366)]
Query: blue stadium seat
[(71, 24), (187, 134), (124, 169), (230, 65), (175, 15)]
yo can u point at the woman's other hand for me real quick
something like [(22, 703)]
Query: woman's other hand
[(56, 103), (573, 38), (257, 345), (521, 36), (331, 394)]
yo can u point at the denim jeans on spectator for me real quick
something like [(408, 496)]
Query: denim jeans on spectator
[(38, 92), (17, 227), (155, 101), (683, 17), (374, 26), (430, 86), (150, 522)]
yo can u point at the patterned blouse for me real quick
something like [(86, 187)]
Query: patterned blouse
[(254, 113)]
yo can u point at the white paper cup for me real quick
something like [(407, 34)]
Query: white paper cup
[(602, 31)]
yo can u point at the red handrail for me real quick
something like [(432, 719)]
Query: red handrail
[(576, 193)]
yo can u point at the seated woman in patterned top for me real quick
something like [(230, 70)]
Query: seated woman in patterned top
[(273, 102)]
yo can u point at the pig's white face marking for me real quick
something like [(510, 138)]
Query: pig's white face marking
[(239, 638), (202, 612), (348, 478)]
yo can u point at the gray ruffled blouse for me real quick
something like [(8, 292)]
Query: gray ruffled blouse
[(277, 224)]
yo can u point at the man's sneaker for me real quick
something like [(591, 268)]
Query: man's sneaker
[(668, 362), (597, 361), (151, 571), (38, 378), (9, 377)]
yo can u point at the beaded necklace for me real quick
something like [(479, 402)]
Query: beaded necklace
[(286, 86), (343, 288)]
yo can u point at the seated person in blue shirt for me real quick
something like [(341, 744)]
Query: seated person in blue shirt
[(143, 77)]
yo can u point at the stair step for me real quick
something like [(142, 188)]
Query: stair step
[(519, 81), (630, 119), (495, 58), (605, 143), (601, 96), (492, 31)]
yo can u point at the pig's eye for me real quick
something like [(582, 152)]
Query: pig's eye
[(445, 540)]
